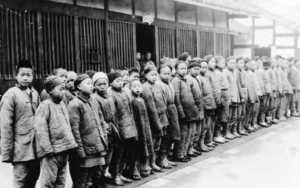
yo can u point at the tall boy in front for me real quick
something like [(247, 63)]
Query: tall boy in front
[(17, 115), (53, 134)]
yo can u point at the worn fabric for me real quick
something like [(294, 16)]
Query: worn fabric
[(173, 129), (52, 128), (252, 96), (156, 107), (222, 79), (260, 74), (293, 77), (17, 118), (232, 118), (279, 81), (84, 177), (231, 76), (249, 110), (256, 83), (124, 114), (242, 84), (70, 95), (265, 77), (223, 111), (54, 170), (52, 81), (215, 85), (287, 85), (26, 173), (255, 113), (209, 123), (208, 99), (88, 127), (184, 100), (197, 94)]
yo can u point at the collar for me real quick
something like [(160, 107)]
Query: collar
[(84, 100), (117, 90), (180, 77)]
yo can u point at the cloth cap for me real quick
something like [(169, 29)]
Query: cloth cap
[(231, 58), (219, 58), (149, 69), (24, 64), (113, 75), (99, 75), (90, 73), (266, 61), (194, 63), (52, 81), (80, 78)]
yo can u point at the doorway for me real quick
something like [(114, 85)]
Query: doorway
[(145, 40)]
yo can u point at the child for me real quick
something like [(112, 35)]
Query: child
[(234, 99), (126, 128), (71, 92), (194, 71), (89, 130), (293, 80), (125, 75), (157, 111), (18, 106), (187, 112), (145, 144), (60, 72), (216, 89), (100, 82), (224, 107), (209, 105), (53, 134), (173, 130)]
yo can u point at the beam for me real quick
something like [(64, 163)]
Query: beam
[(232, 16), (264, 27), (245, 46), (253, 35), (285, 47), (285, 35), (185, 8)]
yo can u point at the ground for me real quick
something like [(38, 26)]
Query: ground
[(267, 158)]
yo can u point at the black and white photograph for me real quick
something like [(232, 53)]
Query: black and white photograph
[(149, 93)]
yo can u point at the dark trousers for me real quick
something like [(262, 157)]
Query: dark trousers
[(54, 170), (232, 118), (26, 173), (249, 111), (293, 101), (254, 114), (120, 156), (241, 111), (181, 146), (84, 177)]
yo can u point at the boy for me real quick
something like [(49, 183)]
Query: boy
[(60, 72), (216, 89), (194, 71), (157, 111), (145, 144), (224, 108), (100, 82), (293, 80), (231, 75), (173, 130), (209, 106), (125, 75), (53, 134), (187, 112), (18, 106), (89, 130), (126, 128), (71, 92)]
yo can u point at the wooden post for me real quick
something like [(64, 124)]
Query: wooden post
[(156, 46), (133, 7), (253, 33), (107, 37), (274, 32), (134, 42), (76, 43), (177, 36), (40, 44), (155, 8), (296, 44)]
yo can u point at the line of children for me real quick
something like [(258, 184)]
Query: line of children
[(115, 124)]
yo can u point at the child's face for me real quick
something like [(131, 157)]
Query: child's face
[(165, 74), (134, 75), (203, 68), (86, 86), (231, 64), (24, 77), (182, 69), (58, 92), (152, 76), (101, 85), (63, 74), (212, 63), (117, 83), (195, 71), (221, 64), (251, 65), (125, 76), (70, 81), (240, 64), (136, 87)]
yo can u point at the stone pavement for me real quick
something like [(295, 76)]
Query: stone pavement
[(264, 159)]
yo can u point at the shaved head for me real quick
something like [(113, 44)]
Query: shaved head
[(72, 76)]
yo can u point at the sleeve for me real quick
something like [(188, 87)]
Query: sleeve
[(7, 106), (239, 86), (151, 108), (42, 130), (104, 125), (267, 84), (74, 115), (176, 87)]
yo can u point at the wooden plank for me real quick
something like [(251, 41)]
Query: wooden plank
[(253, 35), (285, 47), (76, 43), (156, 46), (107, 37), (285, 35), (263, 27), (133, 7), (40, 43), (177, 32), (274, 32), (155, 9), (296, 44), (232, 16)]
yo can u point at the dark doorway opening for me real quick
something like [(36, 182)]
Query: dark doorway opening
[(262, 52), (145, 40)]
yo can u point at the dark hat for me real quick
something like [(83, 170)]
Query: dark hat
[(193, 63), (52, 81), (231, 58), (80, 78), (149, 69), (90, 73), (265, 61), (165, 65), (24, 64), (113, 75)]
